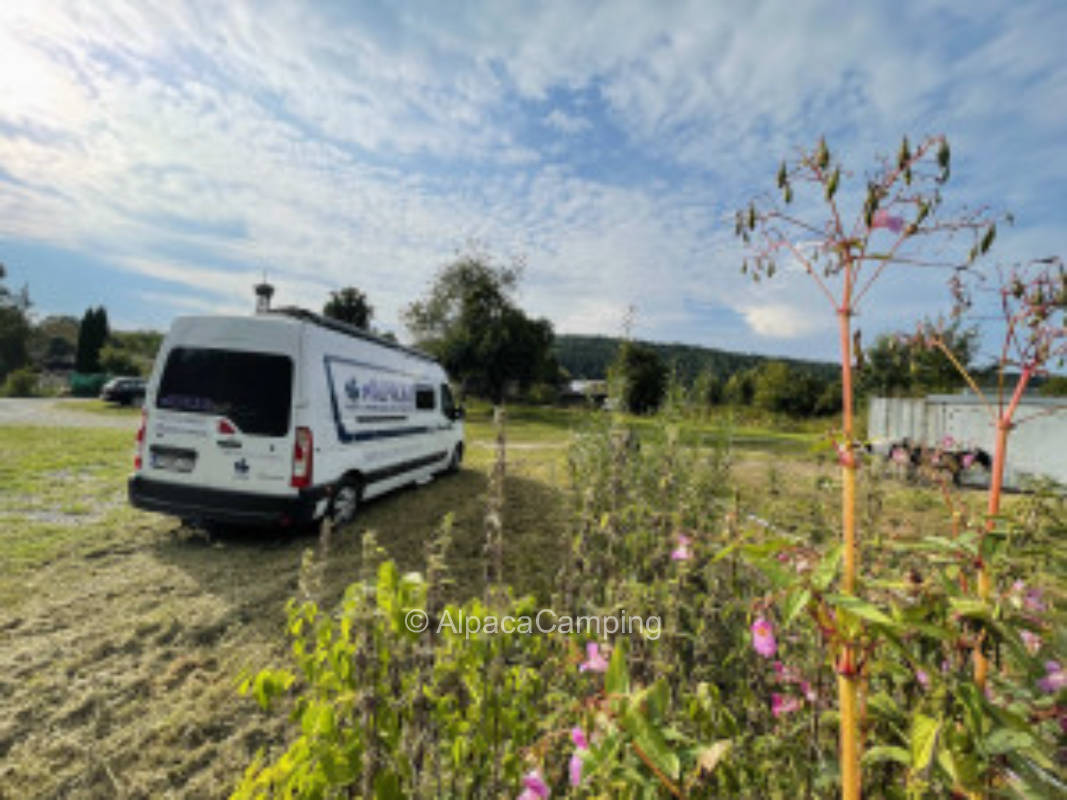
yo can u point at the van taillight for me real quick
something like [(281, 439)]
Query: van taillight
[(138, 459), (302, 459)]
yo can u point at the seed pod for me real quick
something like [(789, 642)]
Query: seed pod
[(782, 176), (822, 155), (943, 159), (831, 185), (987, 240), (904, 156)]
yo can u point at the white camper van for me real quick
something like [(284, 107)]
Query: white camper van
[(284, 417)]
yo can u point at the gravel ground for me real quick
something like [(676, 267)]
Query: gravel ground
[(48, 412)]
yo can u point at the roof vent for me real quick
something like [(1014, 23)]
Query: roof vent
[(264, 292)]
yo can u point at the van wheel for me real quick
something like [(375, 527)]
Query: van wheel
[(454, 461), (344, 503)]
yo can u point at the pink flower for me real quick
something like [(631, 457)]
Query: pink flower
[(1033, 603), (922, 678), (1055, 678), (900, 456), (784, 704), (883, 219), (594, 662), (534, 786), (682, 552), (948, 443), (1031, 640), (763, 638), (581, 743), (578, 737)]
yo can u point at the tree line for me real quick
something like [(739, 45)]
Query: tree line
[(470, 320)]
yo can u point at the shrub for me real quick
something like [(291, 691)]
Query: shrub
[(20, 383)]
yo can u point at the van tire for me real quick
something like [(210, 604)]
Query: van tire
[(344, 503), (455, 460)]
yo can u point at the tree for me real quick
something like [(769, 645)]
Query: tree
[(349, 305), (781, 388), (896, 365), (92, 335), (14, 327), (707, 389), (740, 387), (470, 322), (643, 377)]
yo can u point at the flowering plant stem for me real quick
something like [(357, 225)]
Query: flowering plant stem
[(846, 672)]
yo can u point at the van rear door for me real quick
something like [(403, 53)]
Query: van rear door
[(222, 418)]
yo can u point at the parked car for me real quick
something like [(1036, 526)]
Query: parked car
[(124, 391), (285, 418)]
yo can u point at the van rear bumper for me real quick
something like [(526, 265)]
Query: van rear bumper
[(222, 505)]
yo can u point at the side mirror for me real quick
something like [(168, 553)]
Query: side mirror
[(458, 412)]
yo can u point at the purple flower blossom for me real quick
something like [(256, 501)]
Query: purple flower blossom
[(594, 661), (784, 704), (578, 737), (682, 551), (763, 638), (575, 766), (534, 786), (1033, 602), (1031, 640), (922, 678), (1055, 678), (883, 219), (967, 460)]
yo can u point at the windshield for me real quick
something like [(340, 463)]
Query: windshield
[(252, 390)]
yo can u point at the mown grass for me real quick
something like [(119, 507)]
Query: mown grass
[(125, 633)]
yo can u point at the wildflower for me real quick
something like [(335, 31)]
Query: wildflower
[(594, 661), (682, 552), (580, 742), (1031, 640), (900, 456), (809, 693), (883, 219), (763, 638), (1032, 601), (948, 443), (922, 678), (967, 460), (1055, 678), (784, 704), (534, 786)]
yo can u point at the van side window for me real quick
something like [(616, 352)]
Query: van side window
[(448, 405), (424, 399)]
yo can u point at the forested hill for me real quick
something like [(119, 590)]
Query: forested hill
[(589, 357)]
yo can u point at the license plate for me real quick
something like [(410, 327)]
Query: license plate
[(174, 462)]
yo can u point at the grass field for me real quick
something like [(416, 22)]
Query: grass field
[(122, 635)]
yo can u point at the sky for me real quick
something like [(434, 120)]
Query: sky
[(159, 157)]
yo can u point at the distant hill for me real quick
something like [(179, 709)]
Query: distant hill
[(589, 357)]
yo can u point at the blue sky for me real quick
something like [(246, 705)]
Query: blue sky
[(158, 156)]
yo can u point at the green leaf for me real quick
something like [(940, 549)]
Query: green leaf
[(924, 732), (1006, 740), (652, 743), (617, 678), (861, 608), (795, 602), (886, 753), (824, 574)]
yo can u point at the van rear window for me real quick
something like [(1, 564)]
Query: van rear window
[(252, 390)]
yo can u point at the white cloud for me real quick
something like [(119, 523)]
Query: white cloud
[(780, 321), (200, 146)]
